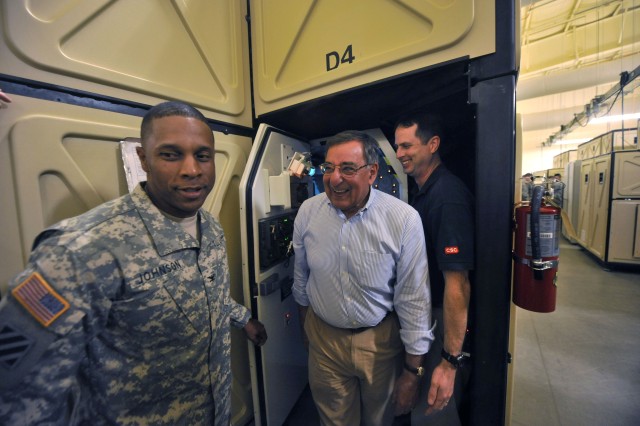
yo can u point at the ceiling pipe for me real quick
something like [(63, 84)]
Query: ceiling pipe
[(597, 104)]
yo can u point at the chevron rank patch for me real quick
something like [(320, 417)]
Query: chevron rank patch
[(42, 301), (13, 346)]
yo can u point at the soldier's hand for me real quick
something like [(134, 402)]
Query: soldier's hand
[(4, 97), (256, 332)]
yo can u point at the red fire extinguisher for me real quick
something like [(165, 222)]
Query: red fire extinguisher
[(536, 254)]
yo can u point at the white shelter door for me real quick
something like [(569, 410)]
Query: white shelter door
[(269, 201)]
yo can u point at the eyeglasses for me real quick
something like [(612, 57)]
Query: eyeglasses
[(346, 170)]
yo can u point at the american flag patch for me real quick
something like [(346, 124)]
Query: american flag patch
[(40, 299)]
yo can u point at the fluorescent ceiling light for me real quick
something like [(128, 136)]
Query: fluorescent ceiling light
[(572, 141), (614, 118)]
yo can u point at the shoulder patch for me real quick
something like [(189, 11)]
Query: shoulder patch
[(451, 250), (42, 301)]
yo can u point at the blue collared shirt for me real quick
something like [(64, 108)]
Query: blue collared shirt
[(352, 272)]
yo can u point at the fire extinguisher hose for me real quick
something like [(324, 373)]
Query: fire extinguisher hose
[(536, 203)]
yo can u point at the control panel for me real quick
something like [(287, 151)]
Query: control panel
[(275, 233)]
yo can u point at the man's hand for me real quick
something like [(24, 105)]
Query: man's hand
[(256, 332), (441, 389), (4, 97), (405, 393)]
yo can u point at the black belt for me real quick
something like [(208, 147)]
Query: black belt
[(361, 329)]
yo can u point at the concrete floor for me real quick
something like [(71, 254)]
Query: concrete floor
[(579, 365)]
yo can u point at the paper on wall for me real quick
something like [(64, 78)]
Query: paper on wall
[(132, 166)]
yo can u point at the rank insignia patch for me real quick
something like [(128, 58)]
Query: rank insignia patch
[(40, 299), (13, 346)]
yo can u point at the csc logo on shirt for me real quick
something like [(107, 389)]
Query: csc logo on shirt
[(451, 250)]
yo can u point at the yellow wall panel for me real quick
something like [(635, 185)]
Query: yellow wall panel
[(56, 161), (143, 51), (318, 47), (59, 160)]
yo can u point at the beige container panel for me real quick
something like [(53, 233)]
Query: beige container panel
[(571, 156), (143, 51), (624, 238), (555, 170), (606, 143), (540, 174), (590, 149), (625, 141), (572, 196), (322, 47), (626, 182), (561, 160), (583, 151), (595, 147), (586, 196), (600, 208), (566, 157), (59, 160)]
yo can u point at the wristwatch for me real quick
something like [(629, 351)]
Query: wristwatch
[(417, 371), (458, 360)]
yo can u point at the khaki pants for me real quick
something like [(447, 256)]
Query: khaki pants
[(352, 374)]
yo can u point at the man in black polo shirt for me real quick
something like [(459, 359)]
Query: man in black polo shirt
[(446, 207)]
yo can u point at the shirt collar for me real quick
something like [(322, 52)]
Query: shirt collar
[(437, 172), (369, 203), (168, 236)]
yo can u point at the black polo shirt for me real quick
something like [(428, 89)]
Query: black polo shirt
[(446, 208)]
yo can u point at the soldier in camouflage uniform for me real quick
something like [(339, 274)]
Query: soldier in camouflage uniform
[(123, 313), (558, 189)]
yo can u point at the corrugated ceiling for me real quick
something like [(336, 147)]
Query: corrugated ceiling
[(571, 52)]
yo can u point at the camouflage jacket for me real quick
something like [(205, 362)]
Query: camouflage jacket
[(120, 318)]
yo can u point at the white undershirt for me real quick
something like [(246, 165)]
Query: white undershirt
[(189, 224)]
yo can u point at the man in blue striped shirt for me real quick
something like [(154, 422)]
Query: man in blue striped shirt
[(361, 266)]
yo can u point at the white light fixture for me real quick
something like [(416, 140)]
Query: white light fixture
[(572, 141), (614, 118)]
